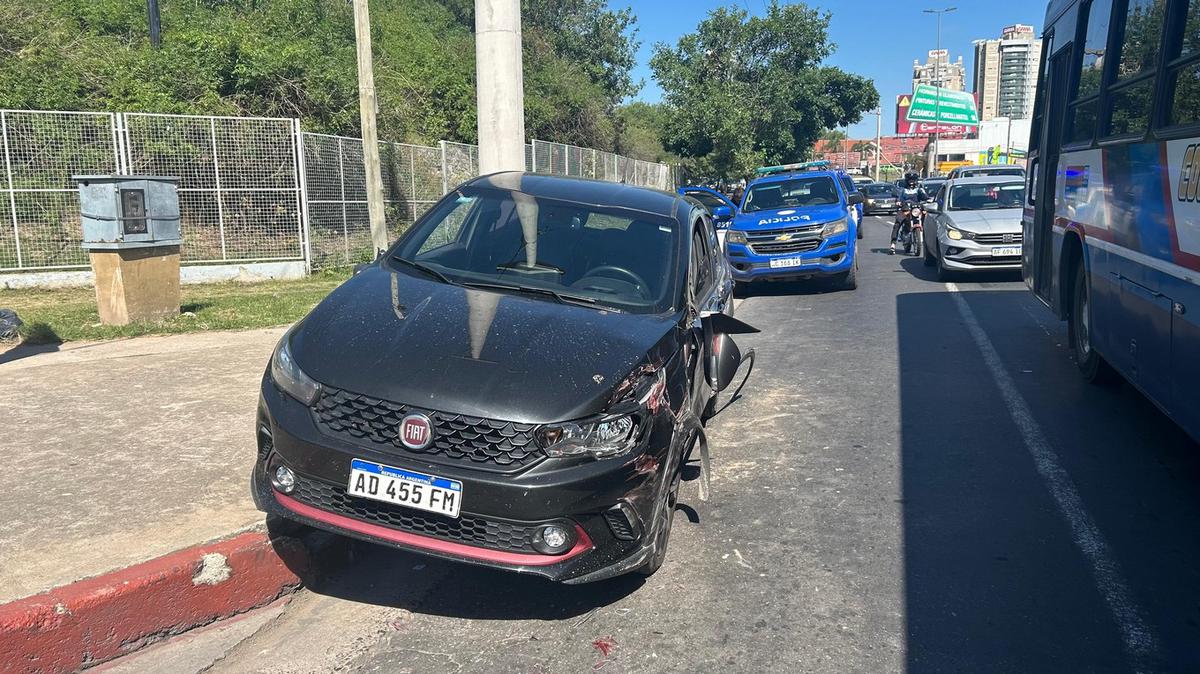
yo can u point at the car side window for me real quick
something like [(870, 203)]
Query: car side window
[(700, 267)]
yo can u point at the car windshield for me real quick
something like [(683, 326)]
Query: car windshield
[(558, 250), (881, 190), (803, 191), (996, 171), (983, 196)]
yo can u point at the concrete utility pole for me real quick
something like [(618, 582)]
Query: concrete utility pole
[(500, 85), (370, 137), (937, 83)]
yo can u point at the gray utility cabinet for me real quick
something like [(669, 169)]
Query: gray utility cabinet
[(129, 211)]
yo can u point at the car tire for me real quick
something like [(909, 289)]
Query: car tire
[(1091, 364), (930, 259), (849, 280), (663, 533), (944, 275)]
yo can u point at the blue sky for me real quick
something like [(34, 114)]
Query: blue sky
[(875, 38)]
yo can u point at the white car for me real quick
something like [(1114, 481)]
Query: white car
[(975, 225)]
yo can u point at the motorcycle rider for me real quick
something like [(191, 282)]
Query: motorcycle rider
[(911, 193)]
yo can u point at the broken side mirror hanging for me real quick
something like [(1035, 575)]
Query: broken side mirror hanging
[(724, 357)]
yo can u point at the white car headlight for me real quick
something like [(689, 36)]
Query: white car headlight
[(288, 376), (834, 228), (600, 438), (958, 234)]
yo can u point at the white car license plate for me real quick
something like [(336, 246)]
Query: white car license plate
[(1006, 251), (404, 487), (786, 262)]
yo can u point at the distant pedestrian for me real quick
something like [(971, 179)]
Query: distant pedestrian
[(736, 197)]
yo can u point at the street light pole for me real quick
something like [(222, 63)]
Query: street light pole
[(370, 136), (937, 84), (878, 138)]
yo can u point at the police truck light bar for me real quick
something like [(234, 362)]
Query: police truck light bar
[(787, 168)]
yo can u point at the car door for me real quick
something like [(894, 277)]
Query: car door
[(712, 200)]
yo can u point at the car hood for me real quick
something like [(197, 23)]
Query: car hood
[(788, 217), (1001, 221), (401, 338)]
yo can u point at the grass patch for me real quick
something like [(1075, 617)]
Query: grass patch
[(69, 314)]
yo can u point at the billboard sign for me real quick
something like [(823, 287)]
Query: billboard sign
[(936, 105), (904, 127)]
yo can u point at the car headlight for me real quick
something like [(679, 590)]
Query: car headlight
[(600, 438), (834, 228), (735, 236), (958, 234), (288, 376)]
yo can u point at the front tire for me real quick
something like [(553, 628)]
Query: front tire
[(663, 535), (918, 242), (1091, 364), (930, 258)]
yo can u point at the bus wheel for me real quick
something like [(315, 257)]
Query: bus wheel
[(1093, 366)]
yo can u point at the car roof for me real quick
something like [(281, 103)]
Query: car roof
[(586, 191), (779, 177), (978, 180)]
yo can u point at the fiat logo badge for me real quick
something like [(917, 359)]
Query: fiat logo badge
[(416, 431)]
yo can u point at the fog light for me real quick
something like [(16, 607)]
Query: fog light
[(284, 479), (553, 539)]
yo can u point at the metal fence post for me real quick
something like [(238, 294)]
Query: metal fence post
[(12, 188), (533, 155), (302, 194), (445, 171), (212, 133), (342, 186), (412, 178)]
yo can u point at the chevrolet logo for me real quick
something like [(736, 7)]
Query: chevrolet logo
[(784, 237)]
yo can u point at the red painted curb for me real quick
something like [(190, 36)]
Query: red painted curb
[(97, 619)]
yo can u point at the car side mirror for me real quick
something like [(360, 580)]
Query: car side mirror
[(722, 213), (855, 199), (725, 358), (932, 207)]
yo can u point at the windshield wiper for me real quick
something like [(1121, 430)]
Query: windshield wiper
[(561, 298), (429, 271)]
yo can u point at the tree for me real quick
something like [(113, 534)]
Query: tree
[(745, 90)]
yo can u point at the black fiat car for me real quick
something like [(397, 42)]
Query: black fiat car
[(516, 383)]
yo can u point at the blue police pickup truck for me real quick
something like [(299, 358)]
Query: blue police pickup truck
[(796, 221)]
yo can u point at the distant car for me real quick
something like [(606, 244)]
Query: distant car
[(932, 185), (988, 170), (976, 226), (719, 206), (880, 198), (857, 213), (862, 181)]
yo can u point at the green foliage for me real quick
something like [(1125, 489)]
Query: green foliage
[(641, 127), (296, 58), (742, 90)]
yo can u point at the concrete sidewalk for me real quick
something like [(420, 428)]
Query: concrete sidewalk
[(115, 453)]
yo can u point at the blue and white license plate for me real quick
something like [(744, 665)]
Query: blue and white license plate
[(404, 487), (1006, 251), (785, 262)]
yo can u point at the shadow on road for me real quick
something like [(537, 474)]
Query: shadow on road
[(27, 350), (813, 286), (916, 267), (994, 578)]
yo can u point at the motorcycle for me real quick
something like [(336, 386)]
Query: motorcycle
[(912, 234)]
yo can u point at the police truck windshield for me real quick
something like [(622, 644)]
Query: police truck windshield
[(800, 191)]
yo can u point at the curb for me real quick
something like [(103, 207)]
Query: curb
[(97, 619)]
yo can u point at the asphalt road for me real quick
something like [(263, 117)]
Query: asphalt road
[(914, 479)]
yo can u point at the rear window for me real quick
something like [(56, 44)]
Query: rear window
[(801, 191), (987, 196), (881, 190)]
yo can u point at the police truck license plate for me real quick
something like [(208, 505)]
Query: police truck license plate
[(1006, 251), (404, 487), (786, 262)]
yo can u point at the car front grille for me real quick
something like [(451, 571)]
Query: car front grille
[(783, 247), (469, 530), (457, 438), (998, 239)]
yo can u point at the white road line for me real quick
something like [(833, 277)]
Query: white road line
[(1139, 639)]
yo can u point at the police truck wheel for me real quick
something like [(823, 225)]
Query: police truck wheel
[(1091, 364)]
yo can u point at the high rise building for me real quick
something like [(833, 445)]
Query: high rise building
[(1006, 72), (953, 76)]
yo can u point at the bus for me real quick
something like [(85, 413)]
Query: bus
[(1112, 220)]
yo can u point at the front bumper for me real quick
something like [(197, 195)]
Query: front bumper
[(611, 504), (834, 255), (970, 255), (881, 207)]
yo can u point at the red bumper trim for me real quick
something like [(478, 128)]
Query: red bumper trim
[(582, 545)]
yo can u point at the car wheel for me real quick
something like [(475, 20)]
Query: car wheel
[(849, 280), (943, 274), (930, 258), (663, 535), (1091, 364)]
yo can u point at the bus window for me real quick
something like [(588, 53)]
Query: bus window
[(1132, 95), (1084, 110), (1185, 72)]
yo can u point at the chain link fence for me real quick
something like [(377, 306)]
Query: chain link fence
[(251, 189)]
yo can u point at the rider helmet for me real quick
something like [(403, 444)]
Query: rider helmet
[(910, 179)]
